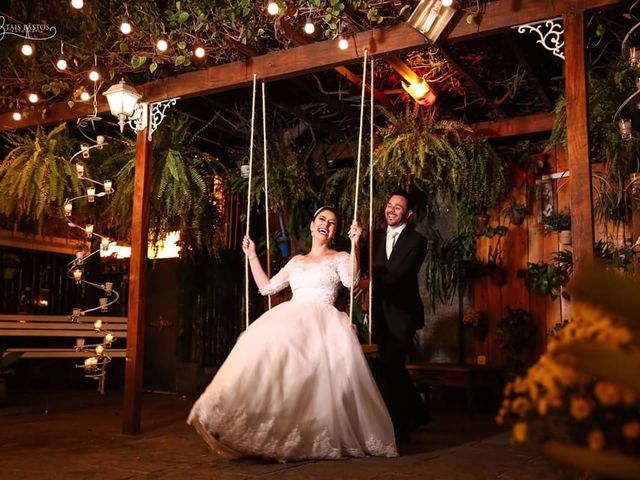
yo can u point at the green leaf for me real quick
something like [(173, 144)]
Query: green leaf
[(179, 60), (70, 103), (138, 61), (123, 47), (183, 17), (153, 67), (182, 45)]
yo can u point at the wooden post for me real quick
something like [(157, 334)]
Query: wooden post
[(137, 287), (578, 139)]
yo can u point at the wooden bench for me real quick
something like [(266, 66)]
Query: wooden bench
[(60, 326), (468, 377)]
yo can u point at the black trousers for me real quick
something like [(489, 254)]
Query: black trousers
[(403, 401)]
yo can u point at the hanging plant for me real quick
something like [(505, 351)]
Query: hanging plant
[(182, 183), (35, 176), (544, 278)]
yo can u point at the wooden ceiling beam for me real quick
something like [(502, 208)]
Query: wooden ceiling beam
[(472, 82), (516, 126), (317, 56)]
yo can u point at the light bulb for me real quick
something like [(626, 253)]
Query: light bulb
[(125, 26), (272, 8), (33, 97), (27, 49), (97, 324), (67, 209), (94, 76), (84, 96), (309, 27), (17, 116), (77, 4), (61, 64), (343, 43), (446, 3), (199, 52), (162, 45)]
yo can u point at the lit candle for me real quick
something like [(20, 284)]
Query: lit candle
[(97, 325), (109, 338), (108, 184), (99, 349), (67, 209), (77, 275), (80, 170), (104, 243), (108, 288), (79, 257), (91, 192), (89, 229), (625, 128), (90, 363), (103, 304), (100, 139)]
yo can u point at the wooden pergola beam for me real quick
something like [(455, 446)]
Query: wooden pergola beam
[(575, 76), (318, 56), (516, 126)]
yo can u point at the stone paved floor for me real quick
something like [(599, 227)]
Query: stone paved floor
[(67, 438)]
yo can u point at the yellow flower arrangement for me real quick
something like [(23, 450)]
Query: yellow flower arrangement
[(581, 398)]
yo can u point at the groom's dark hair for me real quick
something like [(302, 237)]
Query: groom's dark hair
[(403, 193)]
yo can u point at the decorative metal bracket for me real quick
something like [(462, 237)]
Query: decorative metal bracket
[(552, 39), (150, 115)]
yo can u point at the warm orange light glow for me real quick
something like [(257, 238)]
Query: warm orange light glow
[(420, 92)]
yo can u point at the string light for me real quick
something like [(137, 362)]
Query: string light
[(94, 75), (199, 51), (446, 3), (125, 26), (273, 8), (17, 116), (77, 4), (343, 43), (33, 97), (27, 49), (84, 96), (61, 64), (309, 27), (162, 45)]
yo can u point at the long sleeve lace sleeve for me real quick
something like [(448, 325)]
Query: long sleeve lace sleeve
[(345, 269), (278, 282)]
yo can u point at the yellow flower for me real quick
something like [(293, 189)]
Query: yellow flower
[(607, 393), (629, 398), (520, 406), (580, 408), (596, 440), (520, 432), (631, 430), (543, 407)]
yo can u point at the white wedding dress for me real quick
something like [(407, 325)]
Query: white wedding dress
[(296, 384)]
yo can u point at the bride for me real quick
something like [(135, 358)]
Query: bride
[(296, 384)]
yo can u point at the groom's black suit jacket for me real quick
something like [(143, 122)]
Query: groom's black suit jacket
[(396, 297)]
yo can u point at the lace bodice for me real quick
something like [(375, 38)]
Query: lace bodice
[(313, 281)]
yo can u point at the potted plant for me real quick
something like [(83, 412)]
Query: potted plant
[(559, 222), (494, 268), (477, 322), (516, 332), (544, 278), (516, 212)]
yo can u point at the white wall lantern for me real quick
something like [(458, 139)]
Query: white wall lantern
[(123, 103)]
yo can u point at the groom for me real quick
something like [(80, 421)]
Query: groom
[(398, 253)]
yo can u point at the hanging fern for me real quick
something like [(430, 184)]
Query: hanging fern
[(181, 189), (35, 177)]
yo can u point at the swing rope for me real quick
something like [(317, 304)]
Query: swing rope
[(246, 257), (370, 308), (266, 185), (357, 186)]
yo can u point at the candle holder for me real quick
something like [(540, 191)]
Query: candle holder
[(80, 170), (91, 194), (89, 230), (108, 288), (84, 148), (104, 304), (77, 276), (67, 209), (108, 187)]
